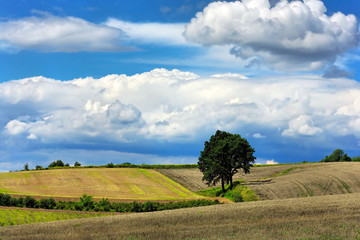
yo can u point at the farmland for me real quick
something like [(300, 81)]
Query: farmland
[(300, 201), (17, 216), (321, 217), (286, 181), (124, 184)]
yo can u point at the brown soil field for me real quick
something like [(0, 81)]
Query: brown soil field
[(117, 184), (321, 217), (302, 180)]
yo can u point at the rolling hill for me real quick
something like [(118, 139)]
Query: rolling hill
[(286, 181), (124, 184)]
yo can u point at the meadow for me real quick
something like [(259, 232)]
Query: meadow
[(123, 184), (17, 216)]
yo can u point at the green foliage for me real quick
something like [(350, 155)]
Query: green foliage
[(30, 202), (77, 164), (58, 163), (239, 193), (223, 156), (47, 203), (38, 167), (110, 165), (26, 167), (355, 159), (86, 203), (338, 155)]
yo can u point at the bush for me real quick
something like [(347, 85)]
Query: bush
[(47, 203), (30, 202), (110, 165), (4, 199), (77, 164), (38, 167), (86, 203)]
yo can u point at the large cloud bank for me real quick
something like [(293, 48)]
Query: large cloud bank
[(297, 34), (177, 106)]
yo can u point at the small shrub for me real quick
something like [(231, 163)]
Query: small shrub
[(38, 167), (30, 202), (47, 203)]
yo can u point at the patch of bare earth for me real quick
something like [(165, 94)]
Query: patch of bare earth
[(321, 217)]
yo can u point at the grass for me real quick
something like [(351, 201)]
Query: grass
[(113, 183), (239, 193), (17, 216), (322, 217), (287, 171)]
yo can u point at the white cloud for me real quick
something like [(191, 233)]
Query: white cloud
[(265, 161), (296, 35), (158, 33), (15, 127), (178, 107), (271, 162), (258, 135), (302, 125), (58, 34)]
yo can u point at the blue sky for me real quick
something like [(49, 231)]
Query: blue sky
[(150, 81)]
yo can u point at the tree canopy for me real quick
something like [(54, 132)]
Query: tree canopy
[(223, 156), (338, 155)]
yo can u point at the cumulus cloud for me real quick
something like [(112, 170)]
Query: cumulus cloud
[(271, 162), (49, 33), (178, 106), (296, 34)]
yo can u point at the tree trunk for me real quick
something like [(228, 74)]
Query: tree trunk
[(222, 184), (231, 183)]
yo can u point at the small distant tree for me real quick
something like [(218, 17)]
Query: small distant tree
[(38, 167), (355, 159), (58, 163), (26, 167), (67, 165), (223, 156), (77, 164)]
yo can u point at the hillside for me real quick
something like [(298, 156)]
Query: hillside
[(323, 217), (114, 183), (286, 181)]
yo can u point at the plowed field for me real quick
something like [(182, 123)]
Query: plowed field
[(286, 181)]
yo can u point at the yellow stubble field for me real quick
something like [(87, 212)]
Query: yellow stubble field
[(126, 184)]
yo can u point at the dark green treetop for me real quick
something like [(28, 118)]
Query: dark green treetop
[(223, 156)]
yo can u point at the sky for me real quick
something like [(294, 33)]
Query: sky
[(150, 81)]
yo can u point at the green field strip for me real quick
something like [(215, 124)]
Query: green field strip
[(17, 216)]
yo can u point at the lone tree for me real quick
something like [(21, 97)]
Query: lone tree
[(223, 156)]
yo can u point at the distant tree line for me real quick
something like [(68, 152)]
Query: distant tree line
[(86, 203), (339, 155), (60, 164)]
